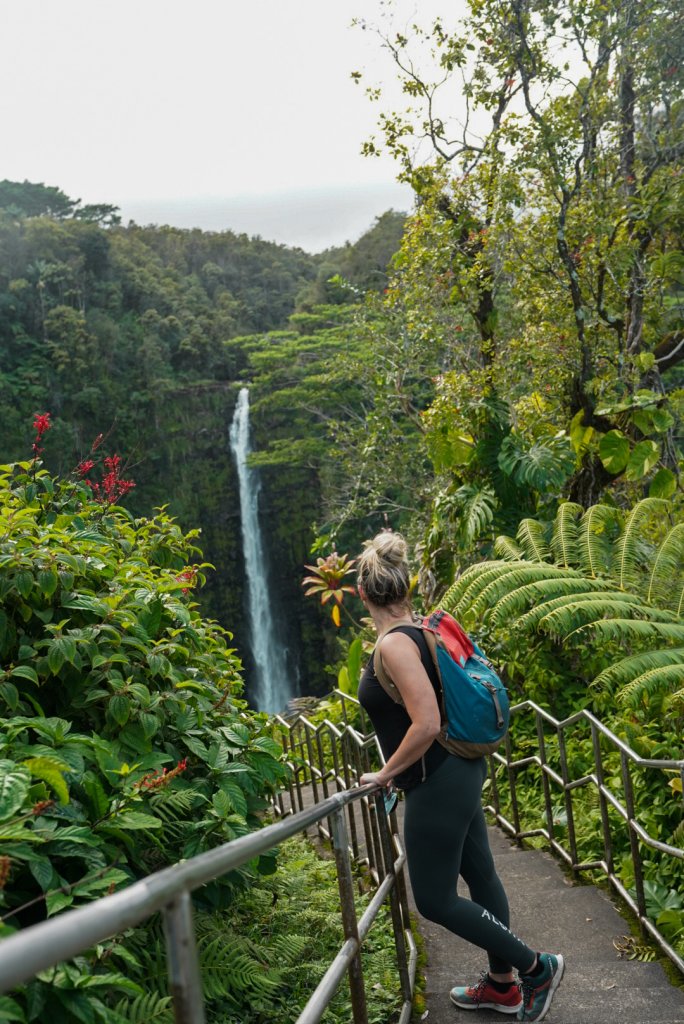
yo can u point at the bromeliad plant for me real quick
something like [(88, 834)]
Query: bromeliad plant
[(124, 744), (327, 581)]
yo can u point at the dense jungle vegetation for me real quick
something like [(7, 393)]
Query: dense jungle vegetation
[(500, 375)]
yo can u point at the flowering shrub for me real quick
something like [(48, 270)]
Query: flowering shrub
[(124, 744)]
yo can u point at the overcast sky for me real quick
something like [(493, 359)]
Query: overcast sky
[(216, 113)]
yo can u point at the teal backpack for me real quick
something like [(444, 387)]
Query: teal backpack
[(474, 704)]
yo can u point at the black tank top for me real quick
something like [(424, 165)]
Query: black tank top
[(391, 720)]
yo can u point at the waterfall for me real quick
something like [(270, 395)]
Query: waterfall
[(272, 686)]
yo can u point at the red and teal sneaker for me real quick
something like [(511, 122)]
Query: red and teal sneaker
[(538, 989), (484, 996)]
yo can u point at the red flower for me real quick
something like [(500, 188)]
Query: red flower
[(84, 467), (41, 424)]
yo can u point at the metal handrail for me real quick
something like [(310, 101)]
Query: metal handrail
[(47, 944), (623, 805)]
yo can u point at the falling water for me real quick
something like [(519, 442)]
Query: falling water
[(272, 687)]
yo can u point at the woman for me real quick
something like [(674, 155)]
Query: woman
[(445, 833)]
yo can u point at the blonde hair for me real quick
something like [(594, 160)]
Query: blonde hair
[(383, 570)]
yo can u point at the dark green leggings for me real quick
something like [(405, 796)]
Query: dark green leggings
[(446, 836)]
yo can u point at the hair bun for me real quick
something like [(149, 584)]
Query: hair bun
[(391, 547)]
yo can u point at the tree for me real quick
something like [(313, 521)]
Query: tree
[(550, 216)]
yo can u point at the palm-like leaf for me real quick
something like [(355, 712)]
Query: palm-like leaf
[(506, 548), (622, 630), (627, 669), (628, 567), (536, 593), (532, 538), (562, 622), (564, 541), (531, 620), (654, 682), (666, 586), (624, 591), (598, 531)]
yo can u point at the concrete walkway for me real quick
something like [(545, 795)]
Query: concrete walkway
[(550, 913)]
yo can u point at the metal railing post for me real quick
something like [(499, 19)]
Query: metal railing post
[(349, 920), (395, 908), (185, 980), (633, 840)]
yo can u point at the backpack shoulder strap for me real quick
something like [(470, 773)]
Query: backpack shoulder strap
[(381, 672)]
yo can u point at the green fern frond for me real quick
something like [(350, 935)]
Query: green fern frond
[(173, 804), (628, 569), (565, 533), (655, 682), (453, 596), (150, 1008), (537, 592), (532, 537), (627, 669), (666, 586), (561, 622), (597, 533), (462, 594), (625, 630), (288, 949), (506, 548), (512, 576), (530, 620)]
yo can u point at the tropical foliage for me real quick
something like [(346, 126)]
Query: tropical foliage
[(606, 588), (124, 742)]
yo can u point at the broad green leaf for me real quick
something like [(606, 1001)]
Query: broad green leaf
[(25, 672), (23, 581), (47, 581), (643, 457), (614, 451), (50, 770), (14, 786), (55, 657), (663, 484), (134, 820), (57, 901), (10, 694), (119, 708), (11, 1011), (43, 872), (99, 801)]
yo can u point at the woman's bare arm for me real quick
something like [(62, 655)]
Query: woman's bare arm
[(401, 658)]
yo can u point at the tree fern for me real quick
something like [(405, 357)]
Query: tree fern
[(532, 537), (623, 630), (628, 569), (624, 671), (564, 540), (666, 586), (513, 576), (513, 604), (652, 683), (506, 548), (530, 620), (462, 594), (562, 622), (596, 537)]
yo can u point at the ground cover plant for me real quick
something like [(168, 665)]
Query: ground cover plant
[(124, 742)]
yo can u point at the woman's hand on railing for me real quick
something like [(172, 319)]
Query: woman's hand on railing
[(376, 779)]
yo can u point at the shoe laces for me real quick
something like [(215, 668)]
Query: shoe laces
[(477, 991), (527, 987)]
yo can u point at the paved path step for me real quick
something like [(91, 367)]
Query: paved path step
[(551, 913)]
